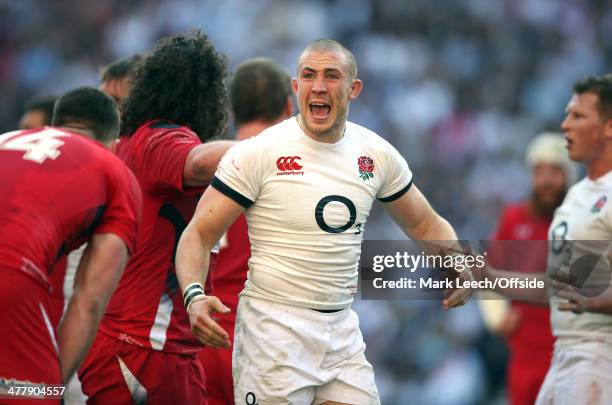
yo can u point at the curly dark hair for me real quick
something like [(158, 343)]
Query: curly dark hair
[(181, 81)]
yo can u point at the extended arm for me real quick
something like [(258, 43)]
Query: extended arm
[(214, 214), (96, 279), (418, 219), (202, 162), (413, 213)]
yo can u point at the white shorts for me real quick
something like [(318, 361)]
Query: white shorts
[(580, 373), (290, 355)]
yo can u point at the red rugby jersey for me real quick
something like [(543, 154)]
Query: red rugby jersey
[(147, 308), (533, 336), (57, 190)]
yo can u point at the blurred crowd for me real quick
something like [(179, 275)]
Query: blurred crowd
[(458, 86)]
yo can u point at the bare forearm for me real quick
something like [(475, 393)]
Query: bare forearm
[(77, 331), (437, 229), (96, 278), (435, 237), (192, 258)]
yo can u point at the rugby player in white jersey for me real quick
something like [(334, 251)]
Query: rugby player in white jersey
[(579, 275), (307, 185), (581, 316)]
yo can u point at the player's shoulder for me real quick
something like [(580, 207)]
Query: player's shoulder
[(580, 188), (161, 130), (373, 145), (365, 136), (271, 138), (283, 132)]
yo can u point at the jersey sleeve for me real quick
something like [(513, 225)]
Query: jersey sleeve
[(397, 177), (161, 160), (239, 173), (123, 206)]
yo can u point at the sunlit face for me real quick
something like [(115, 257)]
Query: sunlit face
[(584, 129), (324, 89), (549, 183)]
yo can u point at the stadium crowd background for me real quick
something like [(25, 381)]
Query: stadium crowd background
[(458, 86)]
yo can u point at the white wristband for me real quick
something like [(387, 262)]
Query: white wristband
[(192, 291)]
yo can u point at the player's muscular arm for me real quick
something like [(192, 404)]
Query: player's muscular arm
[(202, 162), (413, 213), (418, 219), (214, 215), (97, 276)]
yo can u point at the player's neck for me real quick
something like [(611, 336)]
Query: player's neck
[(599, 167), (78, 129), (250, 129), (332, 136)]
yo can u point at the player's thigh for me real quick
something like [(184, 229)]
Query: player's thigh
[(271, 362), (174, 379), (577, 377), (119, 373), (354, 376), (28, 347), (217, 365), (586, 379), (354, 385), (102, 378)]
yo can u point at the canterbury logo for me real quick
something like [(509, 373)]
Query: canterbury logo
[(288, 163)]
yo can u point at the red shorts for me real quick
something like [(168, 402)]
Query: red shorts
[(115, 372), (218, 366), (28, 347)]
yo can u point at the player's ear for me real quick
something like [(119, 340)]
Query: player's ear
[(608, 129), (294, 86), (356, 87)]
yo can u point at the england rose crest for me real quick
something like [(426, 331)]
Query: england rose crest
[(366, 167)]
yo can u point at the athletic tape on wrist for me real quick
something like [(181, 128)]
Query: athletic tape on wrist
[(191, 291)]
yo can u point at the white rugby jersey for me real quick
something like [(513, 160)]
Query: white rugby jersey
[(579, 238), (307, 204)]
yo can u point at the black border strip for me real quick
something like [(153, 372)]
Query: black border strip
[(230, 192), (396, 195)]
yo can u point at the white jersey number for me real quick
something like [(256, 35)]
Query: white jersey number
[(37, 146)]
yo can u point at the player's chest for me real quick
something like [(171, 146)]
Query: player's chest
[(582, 217), (321, 191)]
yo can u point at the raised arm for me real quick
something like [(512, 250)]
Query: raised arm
[(97, 276), (202, 162), (214, 215)]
